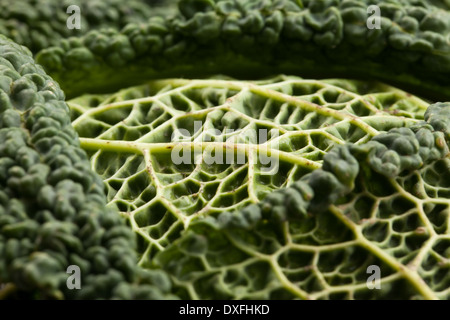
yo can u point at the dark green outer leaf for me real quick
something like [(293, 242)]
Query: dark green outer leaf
[(252, 39)]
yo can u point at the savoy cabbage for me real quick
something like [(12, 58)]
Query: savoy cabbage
[(164, 170), (198, 219)]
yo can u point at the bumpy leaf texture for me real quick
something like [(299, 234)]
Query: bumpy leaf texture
[(252, 39), (38, 24), (354, 190), (52, 206)]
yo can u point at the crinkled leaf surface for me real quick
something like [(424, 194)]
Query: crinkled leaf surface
[(131, 137), (400, 226)]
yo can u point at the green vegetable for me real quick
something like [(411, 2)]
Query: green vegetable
[(396, 221), (218, 188), (251, 39), (351, 194), (52, 206)]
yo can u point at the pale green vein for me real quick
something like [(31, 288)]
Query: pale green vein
[(411, 275), (138, 147), (352, 287), (169, 205), (271, 259)]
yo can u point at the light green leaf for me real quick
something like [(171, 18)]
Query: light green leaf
[(129, 138)]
